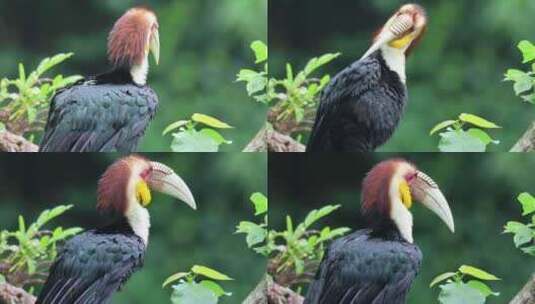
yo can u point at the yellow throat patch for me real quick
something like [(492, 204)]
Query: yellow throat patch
[(143, 193), (401, 42), (405, 192)]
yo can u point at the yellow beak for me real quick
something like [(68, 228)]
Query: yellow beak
[(154, 46)]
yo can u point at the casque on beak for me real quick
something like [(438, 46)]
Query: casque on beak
[(154, 46), (163, 179), (396, 28), (426, 191)]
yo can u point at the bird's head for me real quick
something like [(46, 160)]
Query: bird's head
[(388, 192), (126, 185), (402, 31), (135, 35)]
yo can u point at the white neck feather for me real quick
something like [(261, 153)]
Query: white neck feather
[(139, 219), (137, 216), (395, 60), (139, 72), (401, 216)]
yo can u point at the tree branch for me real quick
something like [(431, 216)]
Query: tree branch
[(527, 294), (10, 142), (527, 142), (269, 140), (10, 294)]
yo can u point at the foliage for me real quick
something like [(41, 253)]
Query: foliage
[(455, 138), (464, 286), (256, 233), (191, 290), (30, 250), (300, 245), (26, 99), (524, 234), (190, 139), (524, 81), (257, 81)]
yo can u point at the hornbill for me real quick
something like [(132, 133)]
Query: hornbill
[(110, 111), (95, 264), (362, 105), (377, 265)]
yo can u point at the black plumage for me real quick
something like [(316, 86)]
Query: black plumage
[(360, 108), (99, 117), (92, 266), (365, 268)]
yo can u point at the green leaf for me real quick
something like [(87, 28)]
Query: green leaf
[(528, 50), (460, 141), (256, 234), (193, 141), (528, 203), (460, 293), (215, 288), (210, 273), (2, 127), (441, 278), (210, 121), (193, 293), (482, 287), (2, 279), (219, 139), (315, 63), (317, 214), (478, 121), (175, 277), (174, 126), (523, 235), (256, 84), (523, 81), (513, 227), (260, 203), (477, 273), (482, 135), (442, 125), (260, 50)]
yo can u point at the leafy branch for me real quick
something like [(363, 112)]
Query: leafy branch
[(198, 134), (191, 289), (524, 234), (465, 134), (27, 253), (524, 81), (297, 251), (464, 286), (24, 101)]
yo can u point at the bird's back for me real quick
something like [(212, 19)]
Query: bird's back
[(98, 118), (359, 109), (362, 269), (91, 267)]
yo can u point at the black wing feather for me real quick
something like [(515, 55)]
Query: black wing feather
[(360, 269), (91, 267), (359, 109), (98, 118)]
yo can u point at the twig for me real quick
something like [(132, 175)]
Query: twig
[(269, 140), (10, 142), (527, 294), (10, 294), (527, 142)]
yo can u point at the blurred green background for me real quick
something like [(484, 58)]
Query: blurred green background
[(180, 237), (481, 190), (204, 43), (457, 68)]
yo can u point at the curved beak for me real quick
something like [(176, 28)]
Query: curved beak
[(163, 179), (154, 46), (395, 28), (426, 191)]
